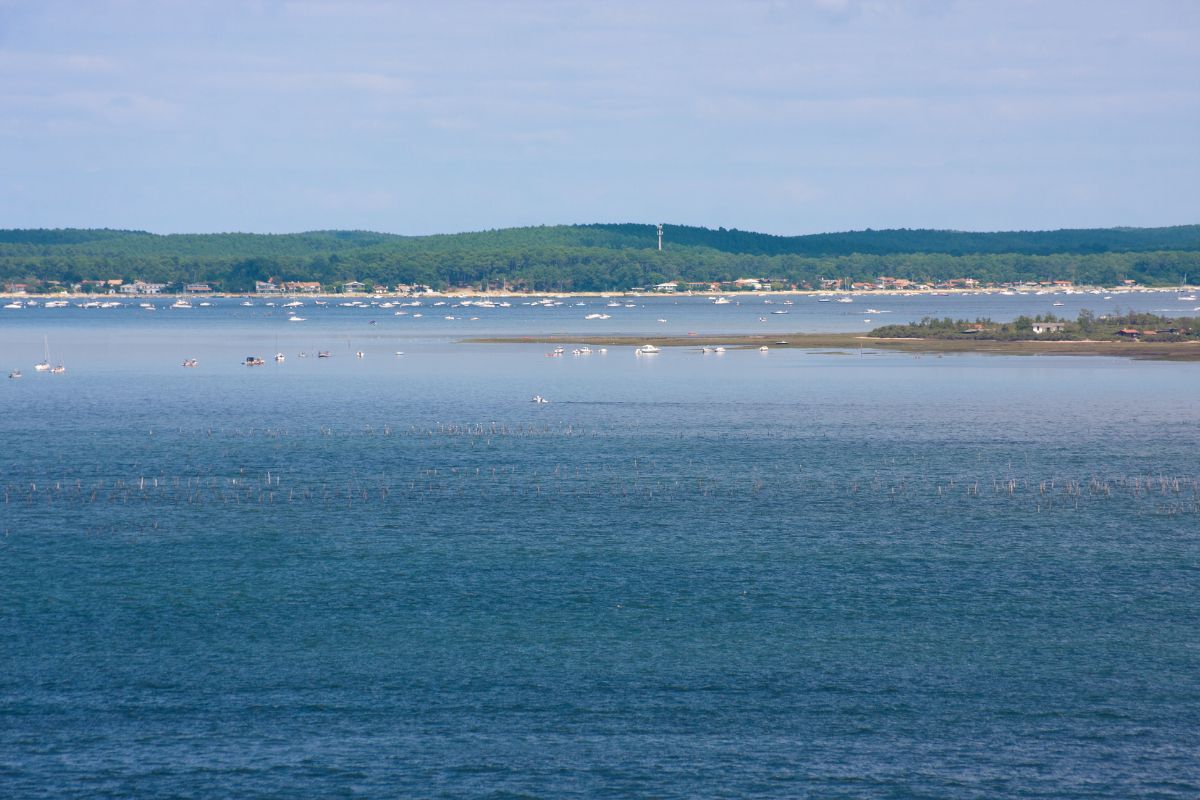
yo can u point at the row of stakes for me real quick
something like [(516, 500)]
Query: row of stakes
[(576, 480)]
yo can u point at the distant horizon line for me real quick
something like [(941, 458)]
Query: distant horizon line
[(593, 224)]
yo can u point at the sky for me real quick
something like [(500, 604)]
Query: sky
[(787, 117)]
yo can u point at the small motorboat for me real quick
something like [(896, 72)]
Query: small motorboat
[(253, 361), (191, 362), (537, 398), (16, 373), (323, 354), (280, 356)]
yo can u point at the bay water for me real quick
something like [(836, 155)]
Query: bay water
[(782, 574)]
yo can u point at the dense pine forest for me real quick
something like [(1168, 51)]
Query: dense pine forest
[(598, 257)]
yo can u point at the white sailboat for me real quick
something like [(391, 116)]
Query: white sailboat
[(44, 366)]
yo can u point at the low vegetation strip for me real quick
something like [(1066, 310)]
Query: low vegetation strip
[(1087, 327)]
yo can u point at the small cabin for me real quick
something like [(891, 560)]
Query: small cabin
[(1048, 327)]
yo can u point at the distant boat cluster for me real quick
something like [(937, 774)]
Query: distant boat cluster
[(416, 308)]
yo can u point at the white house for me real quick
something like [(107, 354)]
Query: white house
[(1048, 327), (141, 287)]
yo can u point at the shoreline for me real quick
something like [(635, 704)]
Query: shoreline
[(1146, 351), (471, 294)]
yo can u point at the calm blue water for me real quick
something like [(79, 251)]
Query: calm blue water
[(780, 575)]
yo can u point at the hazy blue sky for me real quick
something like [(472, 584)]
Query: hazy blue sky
[(414, 117)]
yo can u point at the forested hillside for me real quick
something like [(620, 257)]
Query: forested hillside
[(599, 257)]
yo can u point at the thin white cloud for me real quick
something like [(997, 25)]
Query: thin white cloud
[(16, 61), (84, 112)]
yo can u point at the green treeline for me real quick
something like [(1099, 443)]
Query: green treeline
[(600, 257)]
